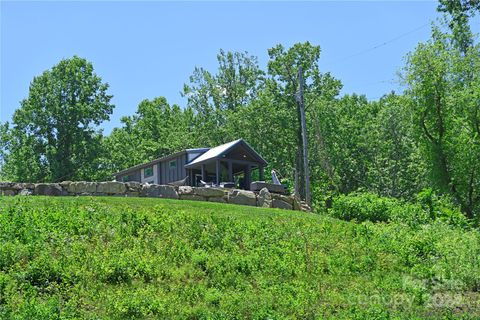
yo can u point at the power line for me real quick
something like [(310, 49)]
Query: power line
[(379, 45)]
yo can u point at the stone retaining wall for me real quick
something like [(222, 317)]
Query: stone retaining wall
[(262, 198)]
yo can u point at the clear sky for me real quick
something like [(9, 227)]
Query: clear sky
[(149, 49)]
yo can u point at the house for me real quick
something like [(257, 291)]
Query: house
[(224, 163)]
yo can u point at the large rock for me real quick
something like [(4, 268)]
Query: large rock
[(274, 188), (305, 207), (276, 203), (6, 185), (25, 192), (191, 197), (111, 187), (9, 192), (133, 186), (21, 186), (287, 199), (218, 199), (264, 198), (82, 187), (210, 192), (159, 191), (184, 190), (48, 189), (297, 203), (242, 197), (65, 184)]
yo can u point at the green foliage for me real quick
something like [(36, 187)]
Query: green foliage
[(365, 206), (282, 86), (157, 129), (215, 97), (426, 137), (139, 258), (54, 129), (459, 12), (371, 207), (443, 89)]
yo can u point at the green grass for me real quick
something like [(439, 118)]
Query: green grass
[(139, 258)]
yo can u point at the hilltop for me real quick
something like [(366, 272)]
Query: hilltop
[(125, 258)]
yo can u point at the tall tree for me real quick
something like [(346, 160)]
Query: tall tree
[(216, 96), (459, 12), (54, 128), (443, 86), (155, 130), (283, 69)]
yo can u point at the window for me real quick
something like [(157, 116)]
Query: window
[(125, 178), (148, 172), (172, 164)]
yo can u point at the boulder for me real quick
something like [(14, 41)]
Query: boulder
[(159, 191), (210, 192), (21, 186), (133, 186), (80, 187), (111, 187), (274, 188), (6, 185), (9, 192), (25, 192), (264, 198), (185, 190), (305, 207), (218, 199), (297, 205), (242, 197), (48, 189), (276, 203), (287, 199), (192, 197), (65, 184)]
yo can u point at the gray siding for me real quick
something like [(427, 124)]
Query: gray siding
[(168, 174), (163, 172), (134, 176)]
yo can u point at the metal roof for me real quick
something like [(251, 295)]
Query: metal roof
[(210, 153), (154, 161), (222, 149), (161, 159)]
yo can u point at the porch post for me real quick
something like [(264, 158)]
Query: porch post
[(217, 169), (204, 173), (230, 171), (261, 173), (248, 177)]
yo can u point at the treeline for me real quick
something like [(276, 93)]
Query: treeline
[(427, 137)]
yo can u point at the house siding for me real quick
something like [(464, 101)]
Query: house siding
[(134, 176), (168, 174), (153, 178)]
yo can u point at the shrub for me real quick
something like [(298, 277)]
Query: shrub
[(367, 206)]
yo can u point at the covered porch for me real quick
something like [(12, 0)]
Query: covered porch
[(230, 165)]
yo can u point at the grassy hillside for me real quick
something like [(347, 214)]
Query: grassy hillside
[(126, 258)]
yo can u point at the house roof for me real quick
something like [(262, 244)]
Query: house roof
[(155, 161), (217, 152), (209, 153)]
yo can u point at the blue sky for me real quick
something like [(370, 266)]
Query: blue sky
[(149, 49)]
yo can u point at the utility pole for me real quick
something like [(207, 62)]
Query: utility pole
[(303, 125)]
